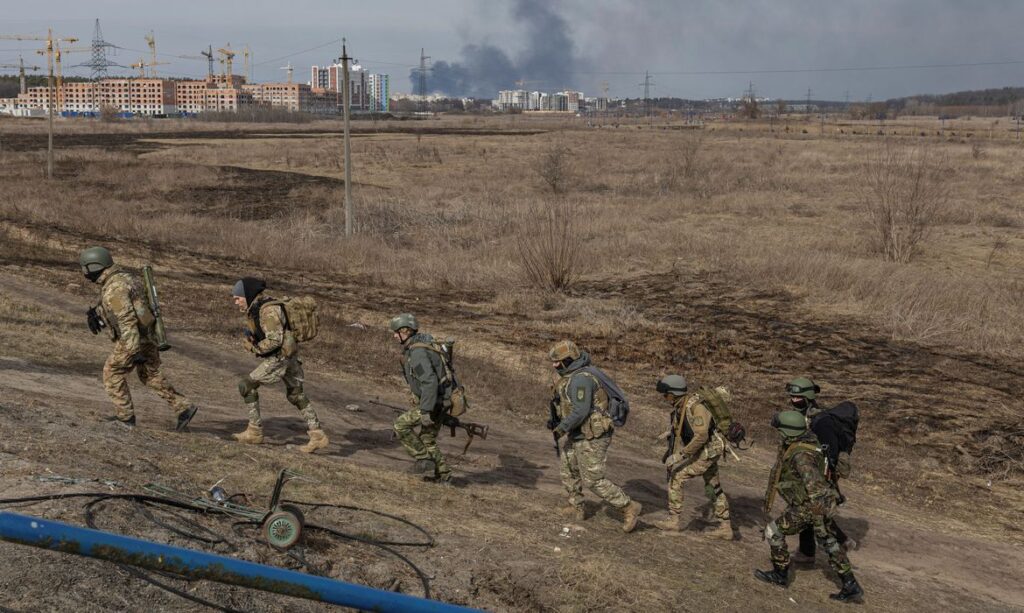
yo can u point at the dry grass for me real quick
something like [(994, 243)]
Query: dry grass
[(457, 211)]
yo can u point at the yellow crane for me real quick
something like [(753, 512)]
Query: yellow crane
[(151, 41), (51, 44), (247, 55), (21, 72), (226, 60)]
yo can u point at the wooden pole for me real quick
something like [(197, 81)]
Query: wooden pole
[(346, 102)]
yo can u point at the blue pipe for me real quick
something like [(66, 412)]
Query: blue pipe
[(58, 536)]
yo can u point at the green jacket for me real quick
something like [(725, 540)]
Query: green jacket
[(579, 393), (801, 472), (424, 372)]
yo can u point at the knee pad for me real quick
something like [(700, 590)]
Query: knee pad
[(771, 531), (247, 388), (298, 398)]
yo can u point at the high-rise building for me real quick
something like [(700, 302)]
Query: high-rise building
[(325, 79), (379, 92)]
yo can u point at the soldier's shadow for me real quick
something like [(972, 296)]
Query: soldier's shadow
[(365, 439), (512, 470)]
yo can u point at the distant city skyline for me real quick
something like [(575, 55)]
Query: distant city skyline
[(483, 47)]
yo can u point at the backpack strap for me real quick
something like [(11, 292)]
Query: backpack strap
[(448, 377)]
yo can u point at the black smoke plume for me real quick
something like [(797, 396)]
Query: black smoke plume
[(549, 60)]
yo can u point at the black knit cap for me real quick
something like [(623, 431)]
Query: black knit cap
[(248, 288)]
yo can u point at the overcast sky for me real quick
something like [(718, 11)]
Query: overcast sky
[(574, 43)]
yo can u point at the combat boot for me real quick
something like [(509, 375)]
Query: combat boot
[(851, 589), (722, 531), (672, 523), (185, 417), (130, 422), (317, 440), (422, 467), (630, 515), (253, 435), (778, 575)]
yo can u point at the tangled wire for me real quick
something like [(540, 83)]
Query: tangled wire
[(178, 523)]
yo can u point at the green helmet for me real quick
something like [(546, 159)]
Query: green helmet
[(405, 320), (95, 259), (671, 384), (790, 423), (563, 350), (803, 387)]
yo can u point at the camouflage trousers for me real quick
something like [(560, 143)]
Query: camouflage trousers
[(271, 370), (702, 464), (583, 464), (795, 519), (419, 437), (115, 379)]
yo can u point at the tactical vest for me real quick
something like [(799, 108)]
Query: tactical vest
[(597, 423), (258, 335), (791, 485)]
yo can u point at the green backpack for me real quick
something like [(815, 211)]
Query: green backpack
[(717, 399)]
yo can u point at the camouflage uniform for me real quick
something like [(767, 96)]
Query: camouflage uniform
[(126, 313), (699, 447), (424, 372), (583, 420), (265, 323), (799, 477)]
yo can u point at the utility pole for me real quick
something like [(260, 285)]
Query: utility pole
[(21, 74), (346, 99), (807, 110), (422, 85), (647, 96)]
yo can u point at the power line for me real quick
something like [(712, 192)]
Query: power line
[(285, 57), (805, 70)]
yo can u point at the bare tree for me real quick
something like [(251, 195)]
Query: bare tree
[(904, 196), (553, 168)]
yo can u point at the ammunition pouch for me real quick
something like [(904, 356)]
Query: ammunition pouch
[(247, 388)]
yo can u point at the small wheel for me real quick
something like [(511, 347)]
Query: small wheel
[(282, 529), (294, 510)]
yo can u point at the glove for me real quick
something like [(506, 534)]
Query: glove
[(673, 459), (558, 433), (94, 321), (553, 423)]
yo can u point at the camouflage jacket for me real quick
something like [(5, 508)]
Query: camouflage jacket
[(265, 321), (579, 394), (799, 473), (124, 308), (425, 374), (691, 423)]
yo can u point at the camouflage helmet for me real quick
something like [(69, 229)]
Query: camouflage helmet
[(563, 350), (803, 387), (671, 384), (790, 423), (405, 320), (95, 259)]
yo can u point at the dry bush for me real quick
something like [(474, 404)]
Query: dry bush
[(553, 168), (904, 196), (551, 247)]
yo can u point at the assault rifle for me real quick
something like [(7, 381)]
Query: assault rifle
[(471, 428), (154, 305), (553, 423)]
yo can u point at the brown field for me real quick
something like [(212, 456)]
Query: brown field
[(734, 252)]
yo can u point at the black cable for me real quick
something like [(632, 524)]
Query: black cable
[(212, 539), (142, 500)]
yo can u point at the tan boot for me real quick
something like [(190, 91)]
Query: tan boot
[(630, 515), (253, 435), (317, 440), (672, 523), (722, 531)]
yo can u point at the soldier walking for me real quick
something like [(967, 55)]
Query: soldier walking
[(799, 477), (127, 315), (695, 447), (581, 418), (267, 336), (431, 388)]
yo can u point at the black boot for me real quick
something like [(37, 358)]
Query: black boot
[(184, 417), (851, 589), (778, 575)]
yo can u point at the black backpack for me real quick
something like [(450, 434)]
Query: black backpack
[(618, 405), (844, 417)]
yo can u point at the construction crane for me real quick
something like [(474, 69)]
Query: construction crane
[(226, 61), (142, 65), (51, 44), (151, 41), (247, 54), (290, 71), (21, 72), (522, 83), (208, 54)]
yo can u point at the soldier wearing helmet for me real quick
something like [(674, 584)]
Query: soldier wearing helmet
[(126, 314), (424, 372), (695, 447), (580, 417), (799, 477), (803, 397)]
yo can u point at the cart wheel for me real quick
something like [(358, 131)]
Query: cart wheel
[(282, 529), (294, 510)]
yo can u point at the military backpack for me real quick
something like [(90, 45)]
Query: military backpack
[(716, 399), (446, 351), (618, 404), (301, 317)]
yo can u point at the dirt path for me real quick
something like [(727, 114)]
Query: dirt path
[(906, 561)]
